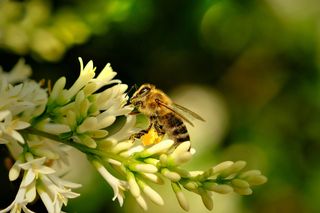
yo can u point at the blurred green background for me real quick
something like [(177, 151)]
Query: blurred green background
[(250, 68)]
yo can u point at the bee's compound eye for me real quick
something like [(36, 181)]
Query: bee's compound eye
[(144, 91), (138, 103)]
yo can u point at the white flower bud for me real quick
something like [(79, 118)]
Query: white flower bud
[(133, 185), (173, 176), (158, 148), (233, 169), (180, 155), (152, 161), (180, 196), (222, 166), (256, 180), (206, 199), (182, 158), (88, 124), (114, 162), (182, 148), (133, 150), (148, 168), (100, 133), (14, 171), (86, 140), (57, 89), (163, 159), (104, 120), (122, 146), (142, 203), (219, 188), (53, 128), (152, 177), (71, 118), (249, 173), (191, 185), (243, 191), (194, 174), (237, 166), (82, 104), (238, 183), (152, 194)]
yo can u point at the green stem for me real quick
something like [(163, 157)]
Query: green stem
[(80, 147)]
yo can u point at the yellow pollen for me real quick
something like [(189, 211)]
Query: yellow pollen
[(151, 138)]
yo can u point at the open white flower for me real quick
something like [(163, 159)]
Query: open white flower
[(18, 73), (57, 152), (9, 126), (118, 186), (19, 203), (34, 167), (55, 192), (104, 78), (86, 74)]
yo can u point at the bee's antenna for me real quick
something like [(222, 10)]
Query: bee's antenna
[(131, 88)]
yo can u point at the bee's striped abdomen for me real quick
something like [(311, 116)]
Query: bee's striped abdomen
[(175, 127)]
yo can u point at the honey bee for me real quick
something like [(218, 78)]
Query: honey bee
[(162, 113)]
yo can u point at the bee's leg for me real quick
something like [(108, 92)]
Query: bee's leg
[(159, 129), (138, 134), (141, 133)]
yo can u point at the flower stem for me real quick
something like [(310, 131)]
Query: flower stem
[(87, 150)]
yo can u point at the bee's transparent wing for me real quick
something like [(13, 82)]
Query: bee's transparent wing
[(174, 111), (193, 114)]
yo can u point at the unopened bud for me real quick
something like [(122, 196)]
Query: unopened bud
[(143, 168), (219, 188), (173, 176), (240, 183), (257, 180), (243, 191), (206, 199), (180, 196), (133, 185)]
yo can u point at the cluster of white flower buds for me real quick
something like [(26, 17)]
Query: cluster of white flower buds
[(224, 178), (93, 117)]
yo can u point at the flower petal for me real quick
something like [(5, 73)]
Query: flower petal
[(28, 178), (46, 199), (16, 135), (31, 192), (14, 172)]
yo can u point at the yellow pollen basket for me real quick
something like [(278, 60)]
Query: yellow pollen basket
[(151, 138)]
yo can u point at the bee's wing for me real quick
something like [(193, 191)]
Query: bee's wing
[(174, 111), (193, 114)]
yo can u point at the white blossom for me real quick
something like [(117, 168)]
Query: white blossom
[(18, 73), (9, 127), (55, 192), (86, 74), (118, 186), (19, 203), (104, 78)]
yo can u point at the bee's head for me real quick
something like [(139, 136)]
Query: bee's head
[(141, 94)]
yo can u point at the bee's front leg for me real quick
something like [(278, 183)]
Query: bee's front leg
[(138, 134)]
